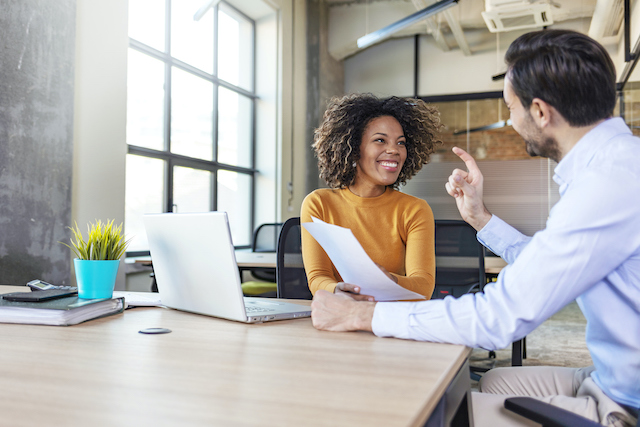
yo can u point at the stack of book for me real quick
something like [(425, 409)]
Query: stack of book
[(59, 312)]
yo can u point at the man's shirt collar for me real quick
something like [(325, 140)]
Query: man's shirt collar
[(585, 149)]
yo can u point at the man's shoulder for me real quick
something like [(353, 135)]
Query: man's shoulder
[(619, 155)]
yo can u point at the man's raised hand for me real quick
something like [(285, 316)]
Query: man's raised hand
[(466, 187)]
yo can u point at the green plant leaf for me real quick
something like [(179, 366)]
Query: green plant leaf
[(104, 241)]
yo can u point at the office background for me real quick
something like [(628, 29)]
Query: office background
[(63, 102)]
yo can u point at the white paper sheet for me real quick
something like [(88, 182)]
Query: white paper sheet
[(139, 299), (353, 263)]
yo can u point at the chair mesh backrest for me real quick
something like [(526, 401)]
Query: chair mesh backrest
[(265, 238), (459, 258), (291, 277)]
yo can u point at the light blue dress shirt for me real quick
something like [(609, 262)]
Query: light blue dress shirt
[(589, 251)]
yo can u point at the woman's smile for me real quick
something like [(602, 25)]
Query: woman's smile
[(382, 155)]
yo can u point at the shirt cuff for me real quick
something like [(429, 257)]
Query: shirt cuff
[(391, 319), (496, 234)]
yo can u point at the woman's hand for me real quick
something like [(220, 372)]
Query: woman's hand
[(352, 291)]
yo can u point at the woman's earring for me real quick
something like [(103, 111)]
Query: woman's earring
[(354, 164)]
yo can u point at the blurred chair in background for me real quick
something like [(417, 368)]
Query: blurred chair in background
[(460, 269), (291, 277), (265, 239), (459, 259)]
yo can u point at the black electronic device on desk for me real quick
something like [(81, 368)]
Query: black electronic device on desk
[(39, 285), (45, 295)]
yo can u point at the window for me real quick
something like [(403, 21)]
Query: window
[(190, 114)]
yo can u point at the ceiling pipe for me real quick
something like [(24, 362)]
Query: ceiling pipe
[(383, 33), (606, 19)]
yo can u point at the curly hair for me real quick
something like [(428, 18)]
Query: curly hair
[(337, 141)]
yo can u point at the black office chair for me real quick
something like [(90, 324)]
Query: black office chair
[(265, 239), (546, 414), (459, 259), (460, 270), (291, 277)]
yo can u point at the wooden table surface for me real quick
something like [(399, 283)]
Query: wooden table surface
[(215, 372), (245, 259)]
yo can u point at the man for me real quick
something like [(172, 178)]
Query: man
[(560, 90)]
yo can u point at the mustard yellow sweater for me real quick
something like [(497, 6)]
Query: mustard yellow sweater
[(395, 229)]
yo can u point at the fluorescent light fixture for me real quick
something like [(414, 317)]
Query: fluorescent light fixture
[(496, 125), (208, 4), (383, 33)]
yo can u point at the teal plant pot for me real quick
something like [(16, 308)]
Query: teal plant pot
[(96, 279)]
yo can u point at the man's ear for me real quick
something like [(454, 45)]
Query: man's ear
[(541, 112)]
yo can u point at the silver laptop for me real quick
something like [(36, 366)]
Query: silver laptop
[(195, 268)]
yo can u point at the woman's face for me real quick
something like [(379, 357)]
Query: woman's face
[(382, 153)]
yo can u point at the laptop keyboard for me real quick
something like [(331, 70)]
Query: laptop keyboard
[(252, 309)]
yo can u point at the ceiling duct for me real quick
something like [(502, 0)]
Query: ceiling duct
[(508, 15), (607, 19)]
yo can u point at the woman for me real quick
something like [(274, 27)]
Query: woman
[(366, 148)]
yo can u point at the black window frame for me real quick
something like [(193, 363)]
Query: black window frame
[(172, 160)]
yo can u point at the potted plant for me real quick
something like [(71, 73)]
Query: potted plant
[(98, 258)]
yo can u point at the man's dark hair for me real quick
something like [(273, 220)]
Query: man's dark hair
[(568, 70)]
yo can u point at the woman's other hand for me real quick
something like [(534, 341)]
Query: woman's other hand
[(352, 291), (389, 275)]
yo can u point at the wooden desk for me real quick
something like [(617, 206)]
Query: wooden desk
[(494, 265), (212, 372), (248, 259), (244, 258)]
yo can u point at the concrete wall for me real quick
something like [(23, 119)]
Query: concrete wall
[(36, 138), (325, 79), (292, 79)]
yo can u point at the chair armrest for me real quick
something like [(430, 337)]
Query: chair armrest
[(546, 414)]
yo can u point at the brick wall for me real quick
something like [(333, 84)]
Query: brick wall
[(494, 144)]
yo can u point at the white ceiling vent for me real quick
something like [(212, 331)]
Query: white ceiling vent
[(507, 15)]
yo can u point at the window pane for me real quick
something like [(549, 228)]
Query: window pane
[(191, 115), (143, 194), (192, 41), (234, 197), (191, 190), (235, 47), (145, 98), (146, 22), (235, 128)]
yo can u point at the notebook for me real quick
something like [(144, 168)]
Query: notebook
[(65, 311), (195, 268)]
